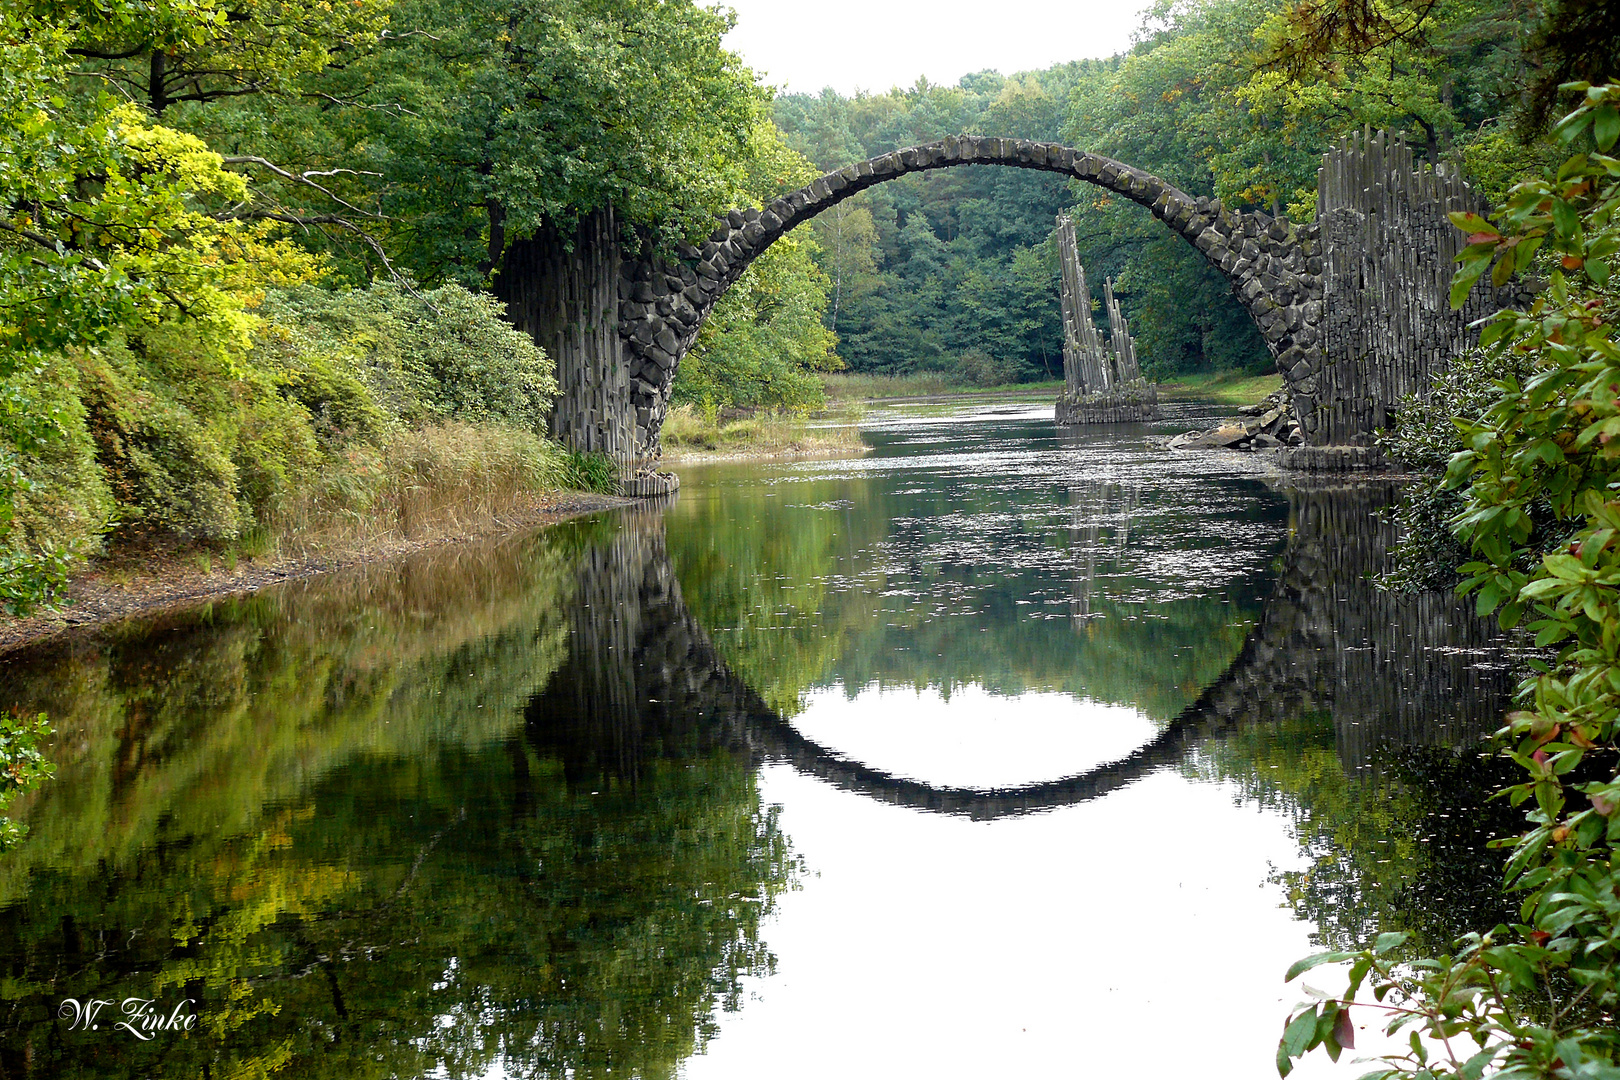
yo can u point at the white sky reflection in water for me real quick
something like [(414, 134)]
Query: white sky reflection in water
[(1130, 936), (976, 738)]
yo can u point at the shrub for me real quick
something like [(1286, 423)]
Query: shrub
[(61, 505), (452, 357), (1539, 998), (1427, 432), (191, 442), (978, 368)]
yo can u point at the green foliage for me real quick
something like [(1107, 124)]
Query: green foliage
[(1539, 998), (192, 442), (583, 471), (60, 503), (1427, 432), (518, 116), (101, 234), (22, 766), (361, 359), (764, 342), (930, 266)]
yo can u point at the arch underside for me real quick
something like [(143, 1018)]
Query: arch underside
[(1274, 267)]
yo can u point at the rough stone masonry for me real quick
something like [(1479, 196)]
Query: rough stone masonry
[(616, 386)]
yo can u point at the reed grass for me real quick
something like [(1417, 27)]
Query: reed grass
[(446, 479)]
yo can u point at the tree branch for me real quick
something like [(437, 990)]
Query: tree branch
[(306, 221), (304, 179)]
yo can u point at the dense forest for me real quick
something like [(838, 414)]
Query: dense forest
[(250, 247)]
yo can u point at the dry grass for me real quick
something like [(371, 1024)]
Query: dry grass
[(686, 435), (447, 479)]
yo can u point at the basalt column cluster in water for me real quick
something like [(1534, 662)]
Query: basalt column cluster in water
[(1101, 381)]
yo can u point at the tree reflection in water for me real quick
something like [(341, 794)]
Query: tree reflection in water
[(346, 820)]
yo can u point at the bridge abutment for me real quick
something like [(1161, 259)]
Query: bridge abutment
[(564, 290)]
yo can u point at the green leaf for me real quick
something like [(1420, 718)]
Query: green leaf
[(1566, 219), (1470, 223), (1525, 252), (1605, 126), (1474, 1067), (1459, 468), (1463, 283), (1300, 967), (1501, 272), (1297, 1035), (1285, 1064)]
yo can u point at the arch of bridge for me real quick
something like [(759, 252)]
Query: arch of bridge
[(1261, 685), (1274, 266), (668, 661)]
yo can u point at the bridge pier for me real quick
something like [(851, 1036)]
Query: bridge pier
[(566, 291)]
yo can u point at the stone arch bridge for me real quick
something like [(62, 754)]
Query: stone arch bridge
[(1352, 306), (643, 680)]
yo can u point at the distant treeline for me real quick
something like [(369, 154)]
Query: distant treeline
[(956, 270)]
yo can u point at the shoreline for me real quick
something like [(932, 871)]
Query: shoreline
[(708, 457), (110, 591)]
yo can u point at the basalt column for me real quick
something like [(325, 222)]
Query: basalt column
[(1101, 381), (563, 290), (1389, 254)]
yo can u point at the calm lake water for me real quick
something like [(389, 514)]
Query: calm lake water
[(998, 751)]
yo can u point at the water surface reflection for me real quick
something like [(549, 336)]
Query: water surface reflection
[(994, 750)]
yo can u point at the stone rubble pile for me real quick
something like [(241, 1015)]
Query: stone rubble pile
[(1269, 425)]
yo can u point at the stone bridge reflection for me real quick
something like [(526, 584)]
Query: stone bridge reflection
[(643, 679)]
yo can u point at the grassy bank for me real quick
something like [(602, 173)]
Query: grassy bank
[(688, 436), (1219, 388), (404, 490), (844, 387)]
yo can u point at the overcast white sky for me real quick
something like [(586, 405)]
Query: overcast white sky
[(851, 45)]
